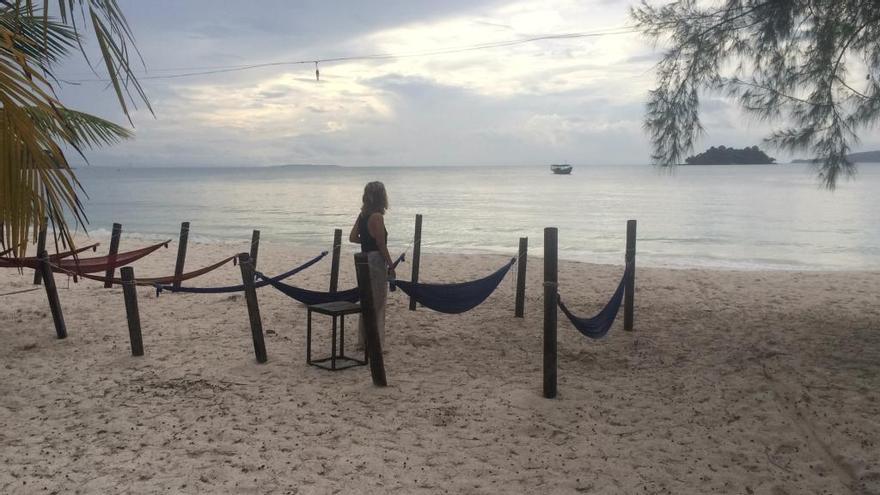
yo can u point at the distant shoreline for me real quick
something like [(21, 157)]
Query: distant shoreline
[(863, 157), (336, 166), (728, 164)]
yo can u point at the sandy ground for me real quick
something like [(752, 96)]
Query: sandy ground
[(734, 382)]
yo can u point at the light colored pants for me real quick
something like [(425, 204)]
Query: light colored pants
[(379, 286)]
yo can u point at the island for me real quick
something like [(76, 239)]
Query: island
[(723, 155), (863, 157)]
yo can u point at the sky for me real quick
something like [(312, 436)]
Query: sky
[(579, 100)]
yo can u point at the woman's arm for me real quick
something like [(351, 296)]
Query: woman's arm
[(354, 235), (376, 226)]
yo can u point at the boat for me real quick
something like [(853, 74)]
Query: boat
[(561, 168)]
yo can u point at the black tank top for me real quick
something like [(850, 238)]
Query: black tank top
[(368, 242)]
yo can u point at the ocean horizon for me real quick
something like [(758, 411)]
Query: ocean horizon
[(725, 217)]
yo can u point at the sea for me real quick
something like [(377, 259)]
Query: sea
[(723, 217)]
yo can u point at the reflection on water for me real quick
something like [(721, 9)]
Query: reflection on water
[(729, 217)]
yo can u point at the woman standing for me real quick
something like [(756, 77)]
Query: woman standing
[(369, 230)]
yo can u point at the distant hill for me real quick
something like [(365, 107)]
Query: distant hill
[(864, 157), (723, 155), (304, 165)]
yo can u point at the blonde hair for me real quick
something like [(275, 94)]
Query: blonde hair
[(375, 198)]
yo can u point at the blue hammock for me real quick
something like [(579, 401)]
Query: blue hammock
[(455, 298), (239, 288), (599, 325), (310, 297)]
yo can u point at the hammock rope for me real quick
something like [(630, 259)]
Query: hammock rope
[(600, 324), (10, 249), (19, 291), (455, 298), (240, 287)]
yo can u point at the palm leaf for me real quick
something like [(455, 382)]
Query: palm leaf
[(36, 180), (79, 128), (42, 40)]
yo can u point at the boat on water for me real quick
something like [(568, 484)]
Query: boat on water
[(561, 168)]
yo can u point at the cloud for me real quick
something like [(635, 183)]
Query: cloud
[(442, 103)]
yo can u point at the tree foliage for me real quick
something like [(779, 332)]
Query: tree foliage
[(722, 155), (812, 64), (36, 181)]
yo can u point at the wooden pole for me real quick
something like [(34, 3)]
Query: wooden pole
[(630, 284), (250, 295), (41, 246), (255, 247), (417, 251), (129, 292), (521, 277), (368, 313), (551, 274), (115, 235), (181, 254), (52, 294), (334, 265)]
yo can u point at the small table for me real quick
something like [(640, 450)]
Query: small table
[(336, 309)]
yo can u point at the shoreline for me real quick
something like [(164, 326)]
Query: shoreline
[(102, 235)]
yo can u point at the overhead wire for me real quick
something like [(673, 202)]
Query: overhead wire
[(210, 70)]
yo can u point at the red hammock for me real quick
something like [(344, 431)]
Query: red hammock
[(91, 265), (164, 280), (24, 262), (68, 254)]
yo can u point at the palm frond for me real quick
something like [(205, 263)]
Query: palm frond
[(42, 40), (114, 37), (79, 129), (36, 180)]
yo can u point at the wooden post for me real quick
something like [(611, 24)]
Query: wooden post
[(551, 277), (41, 246), (630, 284), (368, 313), (334, 265), (115, 235), (521, 277), (250, 295), (52, 294), (181, 254), (129, 292), (417, 251), (255, 247)]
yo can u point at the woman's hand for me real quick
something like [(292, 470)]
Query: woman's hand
[(392, 275)]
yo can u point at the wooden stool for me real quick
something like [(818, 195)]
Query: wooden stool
[(336, 309)]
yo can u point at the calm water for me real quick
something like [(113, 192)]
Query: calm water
[(725, 217)]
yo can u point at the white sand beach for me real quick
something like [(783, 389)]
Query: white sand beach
[(733, 382)]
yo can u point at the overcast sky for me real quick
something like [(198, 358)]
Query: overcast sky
[(568, 100)]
